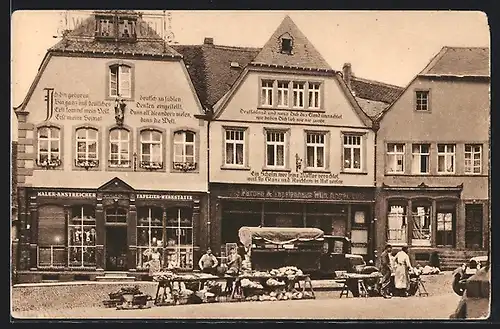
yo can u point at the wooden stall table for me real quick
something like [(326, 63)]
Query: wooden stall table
[(359, 280), (303, 282)]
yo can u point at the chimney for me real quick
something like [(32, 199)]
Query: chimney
[(347, 74), (208, 41)]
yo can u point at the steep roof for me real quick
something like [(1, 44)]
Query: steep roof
[(375, 90), (459, 61), (210, 68), (82, 40), (303, 55)]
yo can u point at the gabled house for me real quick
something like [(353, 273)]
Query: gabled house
[(289, 143), (111, 154), (432, 160)]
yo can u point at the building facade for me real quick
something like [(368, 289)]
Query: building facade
[(111, 156), (289, 144), (432, 159)]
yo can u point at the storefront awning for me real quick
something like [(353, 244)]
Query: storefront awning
[(278, 235)]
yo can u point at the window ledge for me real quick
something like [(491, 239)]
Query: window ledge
[(344, 172), (317, 170), (226, 167), (276, 169), (395, 174)]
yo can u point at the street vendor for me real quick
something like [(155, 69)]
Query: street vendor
[(208, 262)]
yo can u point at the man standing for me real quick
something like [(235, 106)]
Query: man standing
[(208, 262), (386, 271)]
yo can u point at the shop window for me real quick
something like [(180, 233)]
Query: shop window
[(87, 154), (82, 237), (151, 149), (422, 100), (298, 94), (51, 236), (184, 150), (149, 233), (445, 220), (119, 148), (352, 155), (395, 158), (397, 224), (420, 158), (116, 215), (120, 81), (473, 163), (359, 240), (49, 147), (421, 229), (266, 96), (275, 149), (314, 95), (235, 147), (315, 148), (179, 238), (283, 94), (283, 214), (446, 158)]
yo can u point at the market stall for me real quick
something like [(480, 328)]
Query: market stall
[(277, 284)]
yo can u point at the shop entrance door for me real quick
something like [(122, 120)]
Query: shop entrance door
[(116, 248)]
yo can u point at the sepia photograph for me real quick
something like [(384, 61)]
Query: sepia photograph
[(238, 165)]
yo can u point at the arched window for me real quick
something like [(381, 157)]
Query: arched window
[(119, 147), (87, 147), (184, 150), (49, 146), (151, 149), (120, 81)]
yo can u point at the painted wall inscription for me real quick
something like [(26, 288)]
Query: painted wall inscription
[(289, 116), (296, 178), (63, 106)]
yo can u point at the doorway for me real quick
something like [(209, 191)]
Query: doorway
[(473, 226), (116, 248)]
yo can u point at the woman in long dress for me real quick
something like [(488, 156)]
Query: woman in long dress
[(154, 263), (402, 271)]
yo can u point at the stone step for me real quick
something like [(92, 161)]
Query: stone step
[(109, 278)]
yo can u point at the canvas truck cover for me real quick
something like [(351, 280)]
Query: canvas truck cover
[(278, 235)]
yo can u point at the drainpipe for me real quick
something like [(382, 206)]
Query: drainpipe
[(376, 127)]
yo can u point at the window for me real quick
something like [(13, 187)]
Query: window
[(49, 147), (267, 93), (149, 233), (445, 218), (315, 148), (116, 215), (286, 45), (126, 28), (352, 152), (51, 236), (120, 81), (275, 149), (422, 100), (119, 148), (298, 94), (184, 150), (105, 27), (179, 238), (151, 149), (235, 146), (396, 224), (395, 158), (446, 158), (421, 230), (87, 147), (82, 236), (420, 158), (473, 158), (314, 99), (283, 93)]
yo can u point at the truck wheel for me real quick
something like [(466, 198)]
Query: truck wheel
[(458, 288)]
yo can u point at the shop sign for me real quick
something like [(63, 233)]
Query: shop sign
[(164, 197), (289, 194), (54, 194), (294, 178)]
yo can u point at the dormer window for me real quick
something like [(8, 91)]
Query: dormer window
[(116, 27), (286, 45)]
